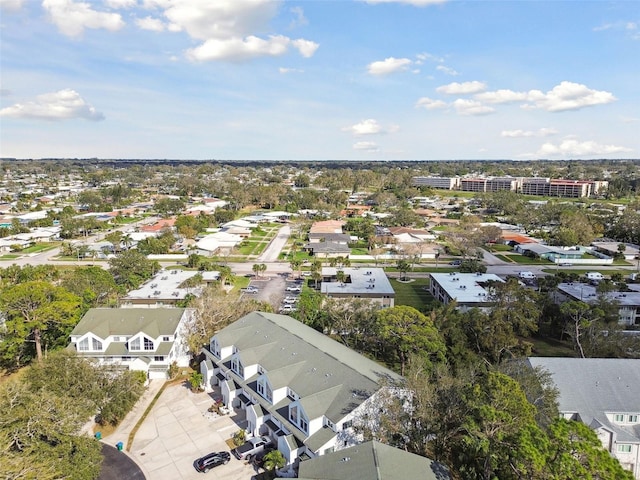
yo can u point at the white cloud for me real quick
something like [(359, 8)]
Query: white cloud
[(11, 5), (306, 47), (565, 96), (284, 70), (447, 70), (121, 3), (60, 105), (430, 104), (239, 49), (388, 65), (229, 29), (571, 147), (415, 3), (369, 126), (150, 23), (543, 132), (471, 107), (370, 147), (299, 18), (72, 18), (423, 57), (464, 88), (568, 96), (502, 96)]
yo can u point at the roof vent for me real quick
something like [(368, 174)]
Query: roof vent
[(345, 459)]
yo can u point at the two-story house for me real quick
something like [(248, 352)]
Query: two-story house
[(296, 385), (603, 393), (133, 338)]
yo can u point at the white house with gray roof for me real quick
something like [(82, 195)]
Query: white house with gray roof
[(367, 283), (603, 393), (296, 385), (133, 338)]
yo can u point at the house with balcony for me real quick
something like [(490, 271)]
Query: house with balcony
[(133, 338), (297, 386), (603, 393)]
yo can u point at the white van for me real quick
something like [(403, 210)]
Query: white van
[(526, 275), (595, 276)]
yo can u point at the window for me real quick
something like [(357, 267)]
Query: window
[(624, 448), (96, 344), (159, 358), (237, 367), (348, 424), (269, 393), (215, 348), (116, 339), (148, 344), (83, 345), (293, 414), (304, 423), (618, 417), (126, 359), (135, 344), (166, 338), (633, 419), (330, 424), (291, 394)]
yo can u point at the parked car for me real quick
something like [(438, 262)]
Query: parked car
[(251, 447), (213, 459), (294, 288), (290, 300), (250, 289), (455, 263), (288, 308)]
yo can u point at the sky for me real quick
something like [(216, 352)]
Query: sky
[(320, 79)]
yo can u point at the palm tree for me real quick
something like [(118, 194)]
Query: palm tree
[(274, 460), (295, 265), (256, 269)]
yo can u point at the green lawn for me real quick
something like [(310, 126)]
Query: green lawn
[(413, 294), (549, 347), (9, 256), (524, 260), (359, 251), (40, 247)]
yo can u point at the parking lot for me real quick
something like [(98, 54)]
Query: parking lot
[(280, 291), (178, 430)]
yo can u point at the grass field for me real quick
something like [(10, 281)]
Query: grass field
[(413, 294), (548, 347)]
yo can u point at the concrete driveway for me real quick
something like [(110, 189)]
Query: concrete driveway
[(179, 430)]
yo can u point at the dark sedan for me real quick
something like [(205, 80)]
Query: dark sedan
[(206, 463)]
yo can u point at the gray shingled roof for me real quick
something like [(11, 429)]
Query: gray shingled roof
[(371, 461), (330, 378), (592, 387), (154, 322)]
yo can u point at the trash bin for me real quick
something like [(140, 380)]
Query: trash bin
[(98, 435), (119, 446)]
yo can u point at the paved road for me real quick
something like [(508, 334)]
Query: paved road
[(271, 253)]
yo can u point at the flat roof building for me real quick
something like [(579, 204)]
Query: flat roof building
[(365, 283), (468, 290)]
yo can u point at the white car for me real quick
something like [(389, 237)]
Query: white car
[(250, 289), (288, 308), (294, 288), (290, 300)]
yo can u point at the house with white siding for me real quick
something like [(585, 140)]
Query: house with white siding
[(296, 386), (133, 338)]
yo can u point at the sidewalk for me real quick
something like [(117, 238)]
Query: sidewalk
[(121, 433)]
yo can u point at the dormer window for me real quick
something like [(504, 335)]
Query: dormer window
[(83, 345), (134, 344), (148, 344), (633, 419), (618, 417), (215, 348), (298, 418), (264, 389), (236, 366), (96, 344)]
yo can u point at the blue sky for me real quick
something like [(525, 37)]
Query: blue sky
[(314, 80)]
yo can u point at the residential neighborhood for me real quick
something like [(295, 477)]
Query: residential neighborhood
[(296, 324)]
